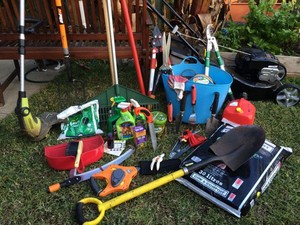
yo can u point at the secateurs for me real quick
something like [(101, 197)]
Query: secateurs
[(187, 141)]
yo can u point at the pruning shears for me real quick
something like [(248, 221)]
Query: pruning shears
[(156, 48), (210, 45), (188, 140), (165, 68)]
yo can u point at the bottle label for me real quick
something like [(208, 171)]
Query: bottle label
[(126, 130)]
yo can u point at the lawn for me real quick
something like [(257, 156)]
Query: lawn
[(25, 174)]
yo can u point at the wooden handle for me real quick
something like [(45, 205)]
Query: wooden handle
[(79, 152)]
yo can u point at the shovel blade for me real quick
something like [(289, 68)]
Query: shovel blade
[(234, 148), (239, 145), (211, 126)]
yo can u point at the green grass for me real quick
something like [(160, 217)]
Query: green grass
[(25, 174)]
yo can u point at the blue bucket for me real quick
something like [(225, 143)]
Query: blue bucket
[(188, 68)]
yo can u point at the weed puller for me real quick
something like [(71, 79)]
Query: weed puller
[(36, 127)]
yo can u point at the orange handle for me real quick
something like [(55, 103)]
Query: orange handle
[(54, 187), (194, 94), (170, 112), (146, 112)]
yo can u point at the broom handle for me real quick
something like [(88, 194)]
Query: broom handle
[(113, 67)]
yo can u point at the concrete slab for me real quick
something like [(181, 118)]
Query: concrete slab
[(11, 93)]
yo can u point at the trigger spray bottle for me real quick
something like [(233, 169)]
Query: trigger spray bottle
[(125, 123)]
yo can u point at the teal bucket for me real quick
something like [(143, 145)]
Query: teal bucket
[(188, 68)]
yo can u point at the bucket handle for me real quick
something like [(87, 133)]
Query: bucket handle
[(190, 57), (188, 70)]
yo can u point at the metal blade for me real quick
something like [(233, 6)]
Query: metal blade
[(86, 175), (152, 135)]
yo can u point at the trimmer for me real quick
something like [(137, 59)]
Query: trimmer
[(233, 149), (36, 127)]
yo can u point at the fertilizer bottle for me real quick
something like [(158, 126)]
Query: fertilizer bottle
[(125, 123)]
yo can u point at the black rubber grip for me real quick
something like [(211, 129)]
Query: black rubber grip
[(183, 101), (96, 189), (215, 103), (79, 213)]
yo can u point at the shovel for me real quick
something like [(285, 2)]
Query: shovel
[(233, 149), (212, 123)]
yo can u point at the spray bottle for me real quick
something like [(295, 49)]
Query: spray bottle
[(114, 113), (140, 119), (125, 123)]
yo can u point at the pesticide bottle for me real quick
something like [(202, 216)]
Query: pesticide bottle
[(125, 123), (114, 113)]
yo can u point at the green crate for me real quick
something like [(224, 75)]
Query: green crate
[(105, 103)]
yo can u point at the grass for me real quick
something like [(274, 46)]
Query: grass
[(25, 174)]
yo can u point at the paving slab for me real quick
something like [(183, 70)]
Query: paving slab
[(11, 93)]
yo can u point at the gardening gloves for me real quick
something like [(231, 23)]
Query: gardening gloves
[(178, 84)]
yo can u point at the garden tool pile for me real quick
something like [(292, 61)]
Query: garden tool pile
[(214, 166)]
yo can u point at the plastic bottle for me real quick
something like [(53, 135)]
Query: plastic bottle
[(110, 141), (140, 119), (125, 123), (114, 113)]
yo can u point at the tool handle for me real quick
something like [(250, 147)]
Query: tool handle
[(194, 94), (95, 187), (65, 183), (170, 112), (79, 211), (146, 112), (183, 101), (215, 103), (79, 152), (156, 83), (54, 187)]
